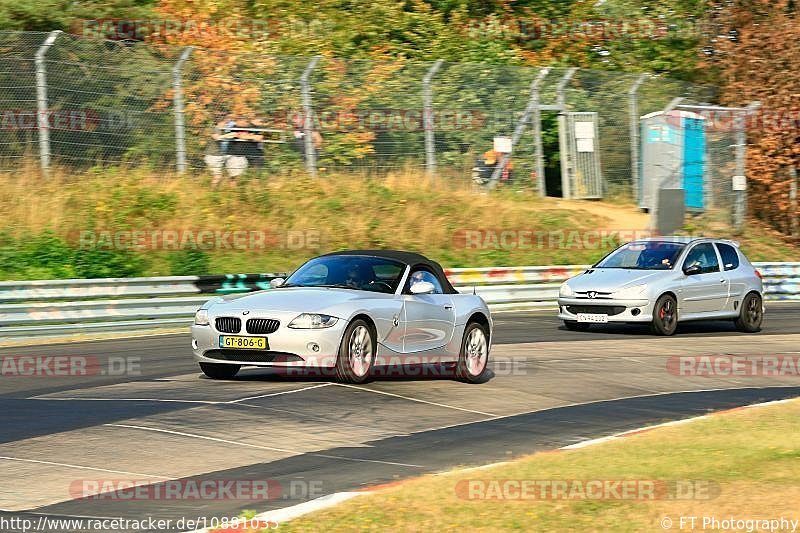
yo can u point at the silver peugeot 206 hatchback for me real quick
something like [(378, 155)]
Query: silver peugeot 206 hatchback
[(665, 280)]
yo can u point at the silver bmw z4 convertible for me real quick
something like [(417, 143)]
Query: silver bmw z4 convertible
[(350, 312), (663, 281)]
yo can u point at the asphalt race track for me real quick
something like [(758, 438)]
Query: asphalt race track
[(163, 421)]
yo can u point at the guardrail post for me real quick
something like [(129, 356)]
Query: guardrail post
[(177, 98), (42, 120), (427, 119), (308, 120), (564, 150), (633, 119), (531, 109)]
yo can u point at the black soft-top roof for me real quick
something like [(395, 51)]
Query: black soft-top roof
[(411, 259)]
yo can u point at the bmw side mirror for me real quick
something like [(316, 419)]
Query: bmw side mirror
[(275, 283), (692, 270), (422, 287)]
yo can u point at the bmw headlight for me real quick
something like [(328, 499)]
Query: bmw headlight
[(313, 321), (630, 292), (565, 290), (201, 317)]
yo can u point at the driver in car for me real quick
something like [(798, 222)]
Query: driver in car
[(654, 259), (353, 278)]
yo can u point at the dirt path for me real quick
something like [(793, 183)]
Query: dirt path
[(620, 217)]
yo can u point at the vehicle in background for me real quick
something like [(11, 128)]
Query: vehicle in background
[(663, 281)]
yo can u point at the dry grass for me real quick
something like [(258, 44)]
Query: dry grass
[(403, 210)]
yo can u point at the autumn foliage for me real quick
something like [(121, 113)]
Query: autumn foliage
[(760, 61)]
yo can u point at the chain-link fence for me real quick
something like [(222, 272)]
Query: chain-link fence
[(78, 102)]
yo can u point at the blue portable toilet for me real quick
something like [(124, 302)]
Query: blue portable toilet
[(673, 148)]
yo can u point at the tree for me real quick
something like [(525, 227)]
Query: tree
[(760, 60)]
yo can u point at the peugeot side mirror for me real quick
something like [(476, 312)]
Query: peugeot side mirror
[(276, 282), (422, 287), (692, 270)]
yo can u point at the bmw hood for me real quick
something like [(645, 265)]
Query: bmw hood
[(614, 279), (298, 299)]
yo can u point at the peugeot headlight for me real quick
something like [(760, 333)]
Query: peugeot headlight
[(201, 317), (565, 290), (313, 321), (630, 292)]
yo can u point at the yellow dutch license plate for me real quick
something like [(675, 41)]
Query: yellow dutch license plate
[(243, 343)]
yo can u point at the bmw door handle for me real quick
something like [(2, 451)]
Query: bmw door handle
[(448, 307), (723, 281)]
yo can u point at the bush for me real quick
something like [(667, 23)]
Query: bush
[(48, 256), (189, 263)]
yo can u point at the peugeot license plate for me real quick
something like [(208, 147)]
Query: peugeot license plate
[(593, 318)]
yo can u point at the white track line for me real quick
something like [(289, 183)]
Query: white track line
[(3, 457), (291, 453), (196, 436), (279, 393), (417, 400), (369, 429), (295, 511), (169, 400), (89, 399), (278, 516)]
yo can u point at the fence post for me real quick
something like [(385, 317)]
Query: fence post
[(564, 150), (177, 98), (427, 117), (633, 118), (793, 214), (531, 109), (740, 207), (308, 119), (537, 133), (42, 120)]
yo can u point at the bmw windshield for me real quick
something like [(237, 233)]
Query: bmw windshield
[(646, 255), (359, 272)]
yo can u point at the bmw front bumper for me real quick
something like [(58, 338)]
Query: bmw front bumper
[(287, 347)]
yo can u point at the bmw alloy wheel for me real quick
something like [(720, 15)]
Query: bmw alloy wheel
[(477, 351), (360, 351)]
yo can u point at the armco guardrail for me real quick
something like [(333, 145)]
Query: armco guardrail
[(53, 307)]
